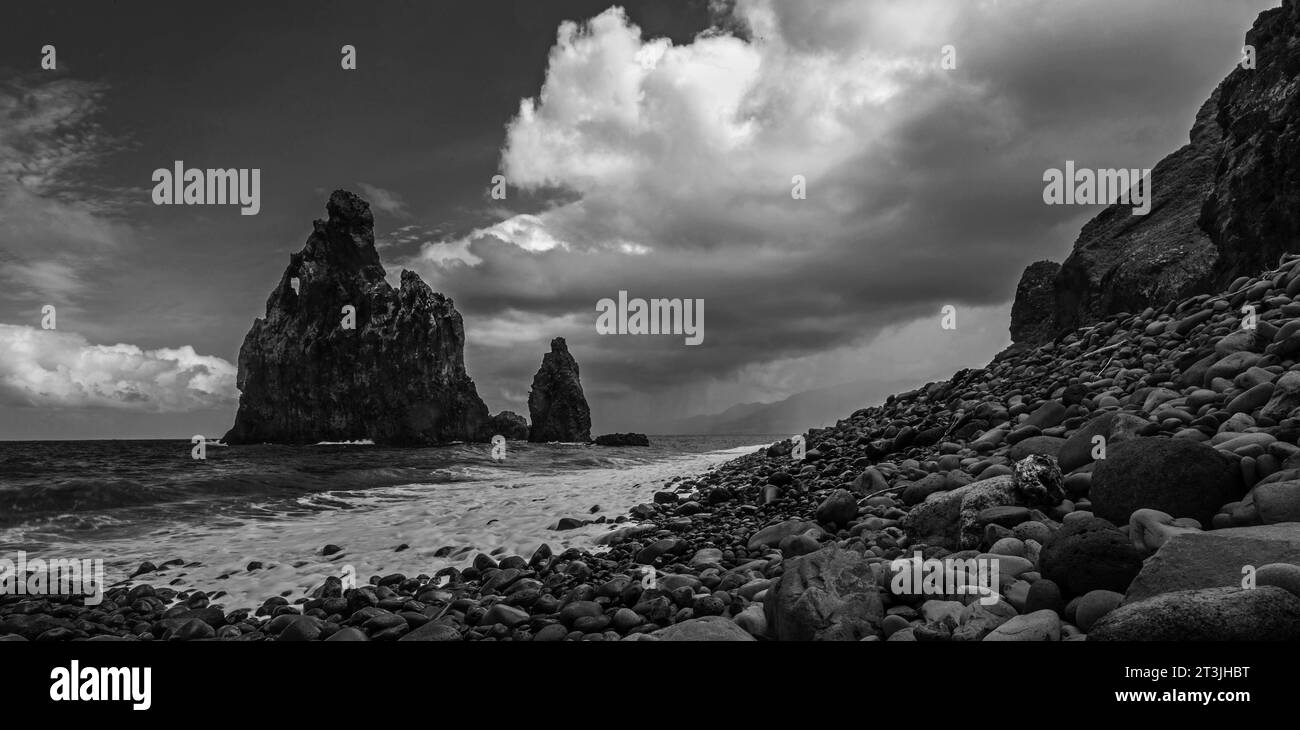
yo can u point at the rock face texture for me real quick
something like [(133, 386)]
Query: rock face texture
[(1032, 317), (1225, 205), (1213, 559), (397, 376), (509, 424), (556, 405)]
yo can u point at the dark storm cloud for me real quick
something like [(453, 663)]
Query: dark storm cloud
[(641, 154), (924, 185)]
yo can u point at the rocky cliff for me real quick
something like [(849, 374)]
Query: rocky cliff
[(556, 405), (1034, 295), (1224, 206), (342, 355)]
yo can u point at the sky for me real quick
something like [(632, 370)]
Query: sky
[(648, 147)]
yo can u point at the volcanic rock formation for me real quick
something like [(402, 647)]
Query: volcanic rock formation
[(390, 369), (1225, 205), (556, 406)]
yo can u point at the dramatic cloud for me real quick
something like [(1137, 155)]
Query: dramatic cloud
[(55, 225), (53, 369), (634, 163), (672, 169), (383, 200)]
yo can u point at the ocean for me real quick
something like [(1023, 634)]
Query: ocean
[(391, 510)]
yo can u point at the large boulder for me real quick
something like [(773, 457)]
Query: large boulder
[(1184, 478), (1285, 397), (705, 628), (1043, 445), (1113, 427), (978, 619), (1043, 625), (951, 519), (556, 405), (1272, 501), (1087, 555), (839, 509), (772, 535), (1267, 613), (1214, 559), (828, 595), (391, 369)]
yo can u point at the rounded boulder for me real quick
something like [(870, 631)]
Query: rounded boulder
[(1181, 477)]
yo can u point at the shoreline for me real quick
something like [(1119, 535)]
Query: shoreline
[(387, 529), (1197, 420)]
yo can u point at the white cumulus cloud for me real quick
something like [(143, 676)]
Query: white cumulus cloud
[(49, 368)]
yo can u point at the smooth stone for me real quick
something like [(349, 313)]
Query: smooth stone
[(1087, 555), (1037, 626), (707, 628), (1183, 478), (893, 624), (1192, 560), (500, 613), (1282, 575), (752, 620), (981, 617), (1269, 613), (348, 633), (839, 509), (935, 611), (706, 557), (772, 535), (1093, 606), (1008, 546), (1005, 515), (433, 631), (1045, 445), (1017, 594), (1044, 595), (1032, 530)]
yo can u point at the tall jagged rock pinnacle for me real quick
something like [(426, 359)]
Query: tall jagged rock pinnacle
[(395, 376), (556, 406), (1225, 205)]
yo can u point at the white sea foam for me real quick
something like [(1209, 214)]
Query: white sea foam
[(490, 509), (358, 442)]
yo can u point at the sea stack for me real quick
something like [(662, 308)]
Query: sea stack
[(341, 355), (511, 425), (556, 406)]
